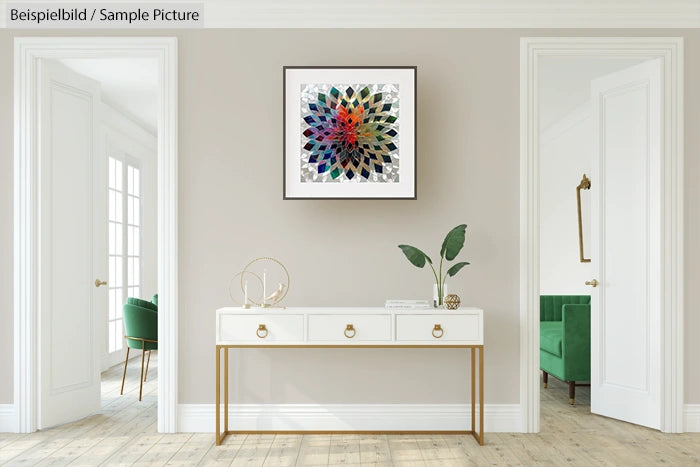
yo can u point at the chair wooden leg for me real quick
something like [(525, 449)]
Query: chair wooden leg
[(148, 360), (545, 378), (143, 354), (124, 375), (572, 391)]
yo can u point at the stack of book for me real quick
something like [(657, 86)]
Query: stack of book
[(407, 304)]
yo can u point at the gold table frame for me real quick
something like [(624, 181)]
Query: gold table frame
[(220, 435)]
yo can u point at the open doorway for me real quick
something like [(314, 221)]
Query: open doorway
[(95, 140), (567, 136), (632, 200), (98, 142)]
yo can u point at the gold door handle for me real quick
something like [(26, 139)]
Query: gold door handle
[(349, 328), (261, 329), (99, 282), (584, 185), (437, 329), (592, 283)]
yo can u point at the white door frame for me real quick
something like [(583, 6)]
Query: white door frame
[(28, 256), (670, 51)]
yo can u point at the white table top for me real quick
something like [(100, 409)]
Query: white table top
[(347, 310)]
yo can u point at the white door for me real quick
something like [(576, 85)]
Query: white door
[(73, 245), (626, 246)]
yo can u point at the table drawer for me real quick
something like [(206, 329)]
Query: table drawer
[(349, 328), (261, 328), (439, 328)]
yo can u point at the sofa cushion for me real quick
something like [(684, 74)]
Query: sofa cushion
[(551, 305), (142, 303), (551, 336)]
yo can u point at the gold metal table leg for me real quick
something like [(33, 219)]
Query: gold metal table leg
[(479, 437), (473, 391), (218, 395), (481, 395), (225, 391)]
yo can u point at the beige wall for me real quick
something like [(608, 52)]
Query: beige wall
[(344, 252)]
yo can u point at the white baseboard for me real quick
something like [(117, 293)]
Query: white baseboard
[(691, 414), (201, 418), (348, 417), (8, 421)]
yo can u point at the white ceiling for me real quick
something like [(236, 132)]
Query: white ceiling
[(565, 83), (130, 85), (438, 13)]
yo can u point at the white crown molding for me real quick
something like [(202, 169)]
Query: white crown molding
[(348, 417), (454, 14), (118, 122), (444, 14), (136, 120), (560, 127)]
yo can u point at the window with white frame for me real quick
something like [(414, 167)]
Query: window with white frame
[(124, 243)]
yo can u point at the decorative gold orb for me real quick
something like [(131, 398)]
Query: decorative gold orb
[(452, 302)]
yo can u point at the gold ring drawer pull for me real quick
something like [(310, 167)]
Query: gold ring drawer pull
[(262, 331), (348, 329), (438, 329)]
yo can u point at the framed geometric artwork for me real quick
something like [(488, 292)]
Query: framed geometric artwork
[(349, 132)]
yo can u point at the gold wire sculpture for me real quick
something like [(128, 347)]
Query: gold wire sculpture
[(264, 302)]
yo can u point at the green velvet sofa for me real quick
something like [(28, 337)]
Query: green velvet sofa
[(565, 339)]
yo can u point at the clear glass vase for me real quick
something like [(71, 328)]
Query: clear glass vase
[(438, 299)]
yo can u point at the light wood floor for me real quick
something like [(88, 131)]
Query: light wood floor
[(125, 433)]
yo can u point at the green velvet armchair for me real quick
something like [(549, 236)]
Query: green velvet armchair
[(141, 326), (565, 339)]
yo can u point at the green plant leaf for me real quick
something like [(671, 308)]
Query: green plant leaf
[(455, 268), (415, 256), (453, 243)]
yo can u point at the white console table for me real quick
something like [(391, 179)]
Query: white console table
[(350, 328)]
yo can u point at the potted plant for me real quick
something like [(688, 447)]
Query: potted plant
[(451, 246)]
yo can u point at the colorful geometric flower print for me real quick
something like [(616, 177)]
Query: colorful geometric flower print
[(350, 133)]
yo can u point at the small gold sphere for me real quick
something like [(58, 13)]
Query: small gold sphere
[(452, 302)]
